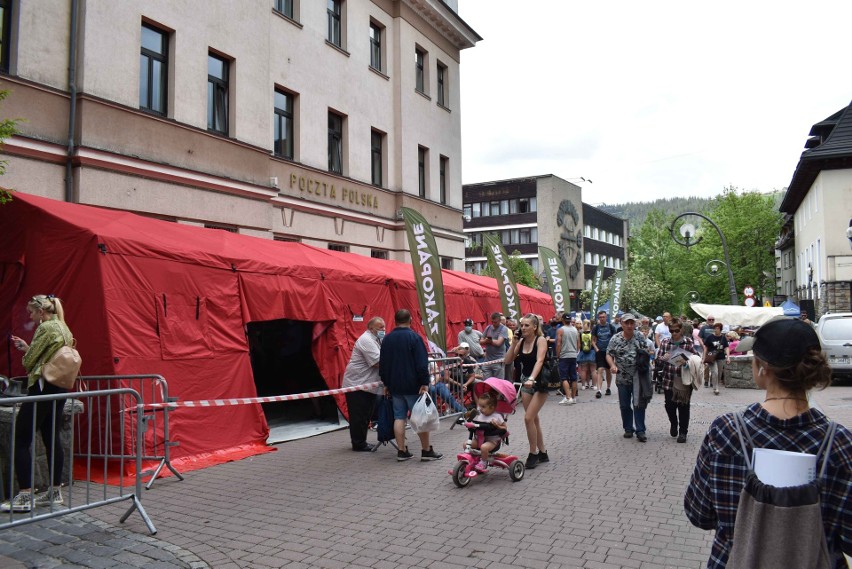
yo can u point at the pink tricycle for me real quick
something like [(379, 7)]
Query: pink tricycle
[(488, 436)]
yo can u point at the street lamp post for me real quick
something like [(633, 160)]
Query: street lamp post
[(687, 230)]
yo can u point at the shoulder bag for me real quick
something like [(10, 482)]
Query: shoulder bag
[(63, 367)]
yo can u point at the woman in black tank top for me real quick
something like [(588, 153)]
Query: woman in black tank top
[(530, 348)]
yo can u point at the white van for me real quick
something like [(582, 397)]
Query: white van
[(835, 333)]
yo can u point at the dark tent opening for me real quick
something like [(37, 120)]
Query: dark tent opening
[(282, 364)]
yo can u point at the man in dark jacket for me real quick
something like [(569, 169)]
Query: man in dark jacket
[(404, 369)]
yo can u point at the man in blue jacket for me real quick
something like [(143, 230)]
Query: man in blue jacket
[(404, 369)]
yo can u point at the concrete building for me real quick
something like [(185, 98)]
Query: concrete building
[(819, 201), (298, 120), (547, 211)]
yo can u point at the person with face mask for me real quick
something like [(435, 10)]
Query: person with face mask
[(471, 336), (363, 368)]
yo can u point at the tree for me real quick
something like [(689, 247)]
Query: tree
[(645, 295), (8, 127), (524, 273)]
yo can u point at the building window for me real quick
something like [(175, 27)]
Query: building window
[(468, 212), (588, 258), (337, 247), (444, 167), (475, 209), (285, 7), (286, 239), (5, 34), (217, 94), (375, 46), (153, 67), (526, 205), (283, 124), (419, 70), (377, 161), (442, 84), (494, 208), (335, 143), (422, 161), (335, 17), (379, 254), (446, 263), (228, 228)]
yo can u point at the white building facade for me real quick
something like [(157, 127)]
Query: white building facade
[(309, 120)]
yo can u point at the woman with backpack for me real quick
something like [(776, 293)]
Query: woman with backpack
[(52, 333), (788, 363), (586, 356)]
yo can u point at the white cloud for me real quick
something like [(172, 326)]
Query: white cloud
[(649, 99)]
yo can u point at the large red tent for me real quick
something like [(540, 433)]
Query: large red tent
[(154, 297)]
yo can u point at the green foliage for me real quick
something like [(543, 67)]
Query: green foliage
[(750, 223), (522, 270), (8, 127)]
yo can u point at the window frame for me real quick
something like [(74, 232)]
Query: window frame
[(443, 172), (377, 152), (420, 70), (442, 94), (376, 40), (281, 6), (334, 11), (220, 86), (340, 248), (6, 36), (285, 114), (151, 57), (335, 139), (422, 170)]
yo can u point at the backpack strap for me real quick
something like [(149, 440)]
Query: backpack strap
[(742, 434), (825, 447)]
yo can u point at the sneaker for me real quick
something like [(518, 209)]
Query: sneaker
[(542, 457), (608, 392), (673, 430), (715, 392), (681, 438), (706, 384), (572, 402), (532, 460), (22, 502), (583, 387), (481, 466), (628, 434), (565, 401), (641, 437), (598, 394), (403, 455), (54, 498), (430, 455)]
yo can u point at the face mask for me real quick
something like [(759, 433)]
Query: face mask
[(380, 334), (468, 329)]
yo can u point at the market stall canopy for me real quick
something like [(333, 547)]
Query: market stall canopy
[(738, 315)]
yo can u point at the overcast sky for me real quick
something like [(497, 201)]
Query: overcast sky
[(650, 99)]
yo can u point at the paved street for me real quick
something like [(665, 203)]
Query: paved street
[(602, 502)]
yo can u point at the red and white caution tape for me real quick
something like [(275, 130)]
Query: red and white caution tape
[(492, 362), (253, 400)]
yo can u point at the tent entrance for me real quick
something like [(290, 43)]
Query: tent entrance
[(283, 364)]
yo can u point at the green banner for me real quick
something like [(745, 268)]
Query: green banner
[(556, 280), (617, 286), (505, 276), (597, 284), (427, 275)]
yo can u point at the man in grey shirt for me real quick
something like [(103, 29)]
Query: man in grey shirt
[(495, 340), (472, 336), (567, 348)]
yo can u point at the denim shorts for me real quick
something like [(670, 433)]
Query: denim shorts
[(402, 405)]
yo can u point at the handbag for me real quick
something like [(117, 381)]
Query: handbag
[(63, 367), (710, 358), (548, 377)]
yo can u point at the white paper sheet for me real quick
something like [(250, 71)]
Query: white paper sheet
[(781, 468)]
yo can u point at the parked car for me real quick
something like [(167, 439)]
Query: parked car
[(835, 332)]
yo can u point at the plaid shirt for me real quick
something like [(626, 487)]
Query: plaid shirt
[(668, 370), (714, 490)]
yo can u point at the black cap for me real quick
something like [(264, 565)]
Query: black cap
[(468, 322), (567, 316), (781, 342)]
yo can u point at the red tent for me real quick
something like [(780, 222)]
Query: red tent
[(145, 296)]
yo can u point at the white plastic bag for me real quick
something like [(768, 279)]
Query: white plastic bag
[(424, 415)]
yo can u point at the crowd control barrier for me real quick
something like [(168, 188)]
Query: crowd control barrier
[(446, 385), (79, 489), (154, 413)]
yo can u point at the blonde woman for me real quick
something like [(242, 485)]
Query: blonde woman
[(52, 333), (530, 349)]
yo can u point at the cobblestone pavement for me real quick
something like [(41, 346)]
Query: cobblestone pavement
[(602, 502)]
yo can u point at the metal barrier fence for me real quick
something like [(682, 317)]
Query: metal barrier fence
[(156, 444), (40, 414), (446, 385)]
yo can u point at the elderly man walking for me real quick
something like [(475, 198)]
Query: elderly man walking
[(363, 368), (634, 389), (404, 369)]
